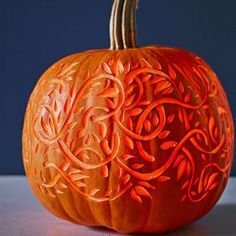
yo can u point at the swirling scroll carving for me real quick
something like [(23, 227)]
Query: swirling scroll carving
[(127, 112)]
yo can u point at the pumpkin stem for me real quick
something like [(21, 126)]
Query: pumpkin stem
[(123, 24)]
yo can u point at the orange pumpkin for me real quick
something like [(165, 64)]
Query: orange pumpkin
[(134, 139)]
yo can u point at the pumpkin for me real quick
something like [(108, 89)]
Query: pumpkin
[(133, 139)]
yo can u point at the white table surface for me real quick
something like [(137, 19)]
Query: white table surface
[(21, 214)]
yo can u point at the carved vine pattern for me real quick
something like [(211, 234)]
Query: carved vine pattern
[(122, 88)]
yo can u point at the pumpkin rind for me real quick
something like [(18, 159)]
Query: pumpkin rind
[(137, 140)]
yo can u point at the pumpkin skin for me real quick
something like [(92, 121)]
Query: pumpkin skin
[(136, 140)]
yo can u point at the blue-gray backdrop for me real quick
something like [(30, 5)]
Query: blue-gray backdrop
[(36, 33)]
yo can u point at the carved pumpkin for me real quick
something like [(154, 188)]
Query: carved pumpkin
[(134, 139)]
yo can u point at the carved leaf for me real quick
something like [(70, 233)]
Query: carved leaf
[(135, 65), (134, 195), (203, 156), (188, 168), (191, 116), (78, 109), (119, 172), (126, 157), (216, 132), (187, 98), (196, 181), (223, 155), (186, 121), (50, 193), (86, 75), (129, 89), (168, 90), (108, 192), (167, 145), (170, 118), (95, 138), (88, 140), (36, 148), (185, 185), (183, 198), (71, 125), (146, 63), (122, 116), (205, 106), (181, 169), (66, 106), (197, 124), (163, 178), (126, 179), (79, 183), (211, 126), (130, 124), (55, 106), (147, 125), (157, 79), (66, 138), (213, 186), (180, 70), (146, 77), (94, 84), (211, 179), (72, 143), (82, 155), (119, 67), (146, 184), (158, 65), (51, 94), (164, 134), (155, 120), (200, 186), (61, 88), (180, 114), (106, 68), (94, 191), (110, 104), (126, 67), (171, 72), (68, 78), (44, 126), (135, 111), (75, 177), (110, 61), (107, 83), (51, 126), (117, 189), (129, 100), (105, 147), (137, 166), (41, 188), (62, 185), (96, 70), (144, 103), (141, 191), (81, 132), (104, 171), (161, 86), (109, 92), (181, 87), (129, 142), (221, 110), (72, 90), (102, 129), (74, 171)]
